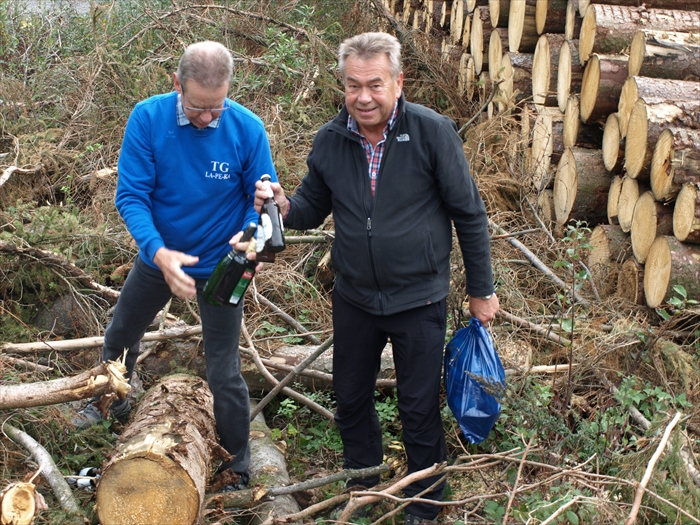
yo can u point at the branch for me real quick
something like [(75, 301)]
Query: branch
[(632, 519), (7, 173), (53, 259), (545, 331), (48, 468), (290, 377), (287, 318)]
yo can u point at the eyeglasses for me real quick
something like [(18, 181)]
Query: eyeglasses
[(200, 110)]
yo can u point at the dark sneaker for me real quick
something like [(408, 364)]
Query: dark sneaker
[(92, 414), (241, 484), (416, 520)]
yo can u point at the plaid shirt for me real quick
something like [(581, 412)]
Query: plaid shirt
[(182, 119), (374, 155)]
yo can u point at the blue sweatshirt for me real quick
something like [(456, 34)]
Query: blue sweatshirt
[(189, 189)]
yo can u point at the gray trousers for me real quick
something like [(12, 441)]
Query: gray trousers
[(144, 294)]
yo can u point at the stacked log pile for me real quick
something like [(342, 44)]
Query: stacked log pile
[(608, 97)]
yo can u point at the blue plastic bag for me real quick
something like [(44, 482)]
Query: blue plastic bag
[(474, 380)]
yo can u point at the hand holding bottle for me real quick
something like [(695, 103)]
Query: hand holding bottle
[(262, 192), (270, 235)]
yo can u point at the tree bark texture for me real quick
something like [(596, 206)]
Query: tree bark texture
[(160, 468), (609, 29), (649, 220), (602, 84), (686, 214), (662, 54), (581, 186), (669, 263), (675, 161)]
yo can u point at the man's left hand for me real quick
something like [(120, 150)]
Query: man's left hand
[(484, 309)]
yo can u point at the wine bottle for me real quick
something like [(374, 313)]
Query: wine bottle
[(270, 228), (232, 275)]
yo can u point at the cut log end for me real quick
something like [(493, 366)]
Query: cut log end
[(630, 282), (637, 52), (147, 490), (637, 137), (476, 40), (565, 187), (611, 142), (589, 87), (629, 194), (643, 229), (571, 121), (628, 96), (587, 35), (661, 174), (684, 221), (657, 272), (564, 76), (614, 199), (541, 71)]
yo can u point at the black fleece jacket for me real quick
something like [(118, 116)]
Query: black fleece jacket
[(392, 250)]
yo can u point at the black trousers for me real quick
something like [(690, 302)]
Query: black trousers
[(418, 339), (144, 294)]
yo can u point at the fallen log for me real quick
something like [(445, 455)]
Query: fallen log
[(649, 220), (686, 214), (159, 470), (581, 186), (609, 29), (103, 379), (670, 263), (675, 162), (664, 54), (630, 282), (602, 84)]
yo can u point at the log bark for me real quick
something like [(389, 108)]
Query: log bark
[(614, 200), (686, 214), (671, 263), (662, 54), (649, 220), (104, 378), (569, 73), (581, 186), (647, 122), (630, 191), (688, 5), (550, 16), (522, 75), (608, 29), (159, 471), (602, 84), (610, 247), (630, 282), (521, 24), (675, 162), (613, 145)]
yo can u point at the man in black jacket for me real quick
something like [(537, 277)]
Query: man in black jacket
[(395, 177)]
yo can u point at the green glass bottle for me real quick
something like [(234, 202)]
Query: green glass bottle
[(232, 275)]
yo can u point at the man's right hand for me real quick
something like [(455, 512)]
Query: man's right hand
[(262, 193), (170, 263)]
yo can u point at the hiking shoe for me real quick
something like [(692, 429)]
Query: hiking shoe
[(417, 520), (91, 414), (241, 484)]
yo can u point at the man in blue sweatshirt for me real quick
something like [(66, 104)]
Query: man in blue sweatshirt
[(187, 172), (396, 179)]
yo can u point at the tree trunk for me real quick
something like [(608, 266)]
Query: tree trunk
[(613, 145), (104, 378), (647, 122), (649, 220), (675, 161), (602, 84), (630, 282), (630, 191), (671, 263), (614, 200), (569, 73), (680, 93), (610, 247), (581, 187), (686, 214), (662, 54), (610, 29), (159, 471), (521, 24)]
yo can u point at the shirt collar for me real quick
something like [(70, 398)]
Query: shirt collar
[(182, 119), (352, 124)]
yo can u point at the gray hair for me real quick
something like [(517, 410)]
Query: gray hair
[(208, 63), (367, 46)]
